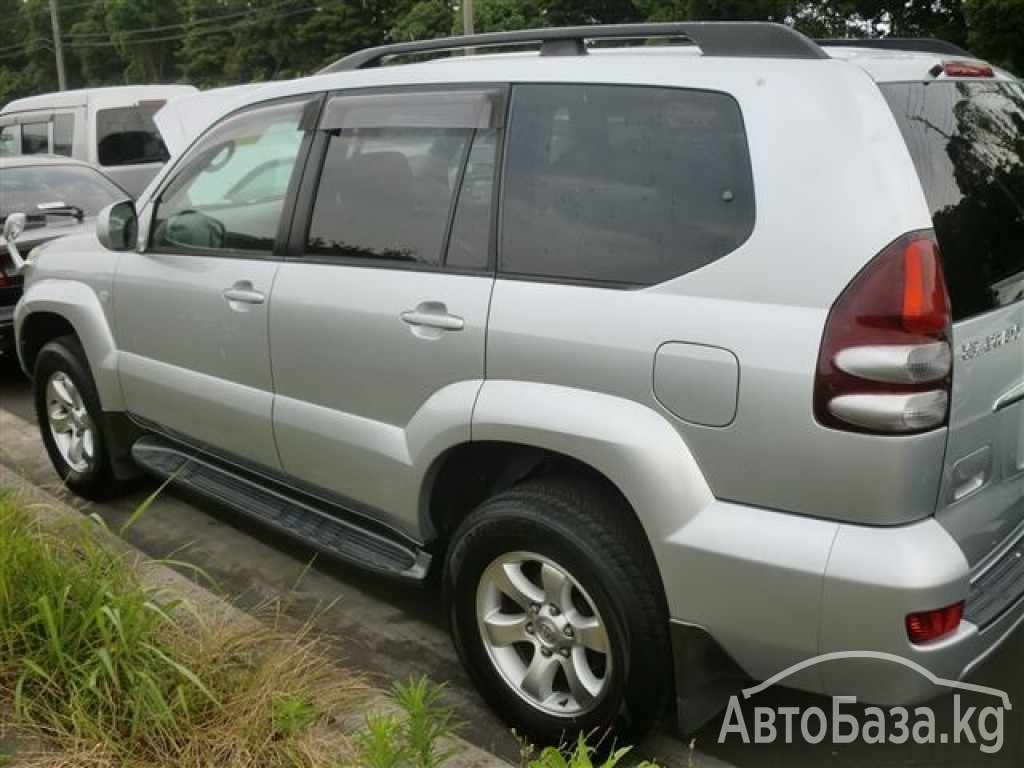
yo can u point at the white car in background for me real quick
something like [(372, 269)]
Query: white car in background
[(109, 127)]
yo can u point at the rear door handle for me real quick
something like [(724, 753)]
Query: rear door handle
[(432, 314), (244, 293)]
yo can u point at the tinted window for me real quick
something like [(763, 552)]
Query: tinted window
[(63, 134), (128, 136), (967, 142), (469, 245), (623, 184), (35, 138), (229, 191), (390, 175)]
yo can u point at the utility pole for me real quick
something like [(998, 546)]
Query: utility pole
[(62, 81), (467, 17)]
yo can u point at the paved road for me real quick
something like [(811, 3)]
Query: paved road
[(393, 631)]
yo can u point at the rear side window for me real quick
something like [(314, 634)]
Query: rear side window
[(967, 142), (128, 135), (623, 185), (63, 134)]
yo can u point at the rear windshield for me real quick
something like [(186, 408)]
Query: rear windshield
[(128, 135), (967, 141)]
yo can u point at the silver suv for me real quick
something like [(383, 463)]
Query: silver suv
[(683, 364)]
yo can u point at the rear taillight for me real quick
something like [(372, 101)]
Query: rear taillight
[(926, 626), (885, 365)]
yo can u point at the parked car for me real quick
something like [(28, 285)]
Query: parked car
[(110, 127), (58, 196), (682, 364)]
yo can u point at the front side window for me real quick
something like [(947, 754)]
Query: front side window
[(393, 166), (10, 140), (229, 191), (623, 184), (128, 135)]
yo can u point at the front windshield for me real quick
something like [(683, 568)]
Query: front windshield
[(24, 189)]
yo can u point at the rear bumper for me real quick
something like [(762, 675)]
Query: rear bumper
[(773, 590)]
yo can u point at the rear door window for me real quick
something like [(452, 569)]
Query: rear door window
[(967, 141), (621, 184), (128, 135), (403, 170), (35, 138)]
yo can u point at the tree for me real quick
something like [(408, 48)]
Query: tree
[(502, 15), (905, 18), (425, 20), (572, 12), (89, 40), (206, 43), (27, 62), (996, 31), (336, 29)]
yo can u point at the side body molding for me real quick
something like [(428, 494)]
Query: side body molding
[(632, 445), (78, 304)]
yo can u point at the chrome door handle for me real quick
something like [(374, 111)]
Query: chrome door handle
[(427, 319), (244, 295)]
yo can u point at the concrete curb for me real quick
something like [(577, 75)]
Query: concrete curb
[(24, 466)]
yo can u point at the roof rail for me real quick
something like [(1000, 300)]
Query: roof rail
[(919, 44), (715, 38)]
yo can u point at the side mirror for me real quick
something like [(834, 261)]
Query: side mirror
[(14, 225), (117, 226)]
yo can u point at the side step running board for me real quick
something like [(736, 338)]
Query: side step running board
[(300, 518)]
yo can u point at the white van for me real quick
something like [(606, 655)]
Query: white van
[(109, 127)]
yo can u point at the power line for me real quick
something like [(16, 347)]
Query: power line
[(42, 11), (44, 43), (171, 38), (191, 28), (180, 25)]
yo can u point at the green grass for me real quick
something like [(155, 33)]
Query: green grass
[(112, 672), (87, 651)]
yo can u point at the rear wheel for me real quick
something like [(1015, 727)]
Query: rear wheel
[(70, 419), (555, 609)]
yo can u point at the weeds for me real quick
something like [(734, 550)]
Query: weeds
[(417, 737), (582, 755)]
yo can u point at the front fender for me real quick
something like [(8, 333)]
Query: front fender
[(79, 305), (629, 443)]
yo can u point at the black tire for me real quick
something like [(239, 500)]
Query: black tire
[(586, 533), (64, 360)]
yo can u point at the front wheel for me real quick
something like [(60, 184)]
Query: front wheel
[(70, 419), (555, 609)]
